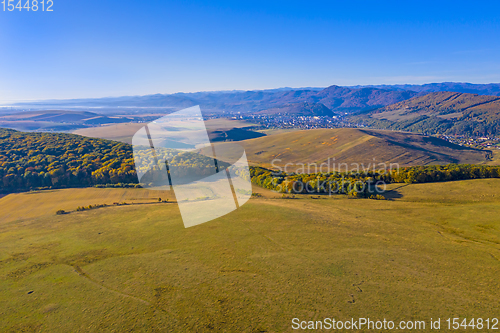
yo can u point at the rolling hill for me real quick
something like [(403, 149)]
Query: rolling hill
[(348, 100), (354, 147), (447, 105), (440, 112), (432, 251), (61, 116), (56, 120), (132, 266), (50, 115)]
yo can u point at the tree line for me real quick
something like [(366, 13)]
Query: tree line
[(366, 184), (352, 184), (56, 160), (443, 173)]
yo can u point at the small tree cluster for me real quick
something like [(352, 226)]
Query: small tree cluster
[(89, 207), (377, 197)]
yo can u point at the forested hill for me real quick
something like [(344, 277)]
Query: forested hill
[(31, 160), (440, 112), (41, 160)]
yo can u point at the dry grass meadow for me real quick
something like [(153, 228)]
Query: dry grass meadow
[(431, 251)]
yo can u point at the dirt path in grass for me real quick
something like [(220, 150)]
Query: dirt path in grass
[(80, 272)]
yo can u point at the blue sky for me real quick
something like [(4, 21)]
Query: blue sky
[(111, 48)]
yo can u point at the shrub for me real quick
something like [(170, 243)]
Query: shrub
[(354, 194), (60, 212)]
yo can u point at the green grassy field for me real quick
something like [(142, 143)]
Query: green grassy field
[(432, 251), (31, 205)]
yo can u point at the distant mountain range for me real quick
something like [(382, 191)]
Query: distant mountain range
[(448, 107), (492, 89), (338, 99)]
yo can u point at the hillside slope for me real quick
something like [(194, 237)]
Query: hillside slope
[(440, 112), (354, 147), (346, 99), (136, 268)]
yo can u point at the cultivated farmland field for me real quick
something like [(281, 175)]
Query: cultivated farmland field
[(431, 251)]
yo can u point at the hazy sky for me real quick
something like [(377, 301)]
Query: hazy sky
[(101, 48)]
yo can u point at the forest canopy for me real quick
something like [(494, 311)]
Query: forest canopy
[(32, 160), (57, 160)]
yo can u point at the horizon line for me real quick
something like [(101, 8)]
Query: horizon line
[(11, 103)]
